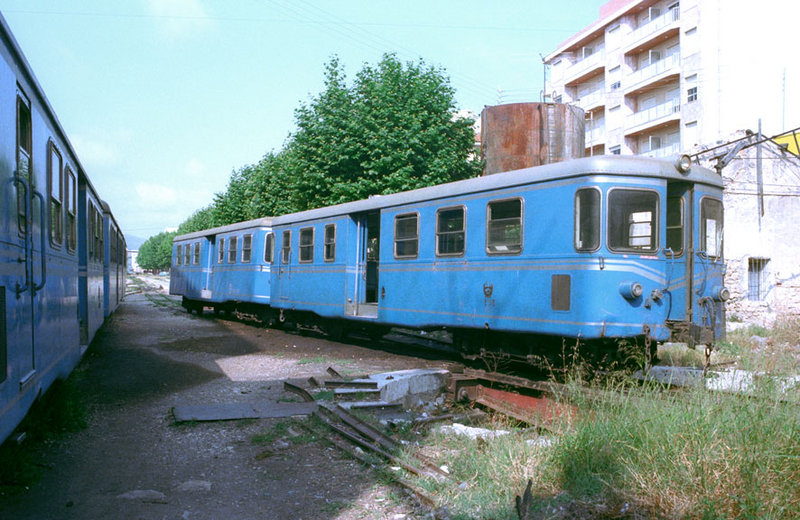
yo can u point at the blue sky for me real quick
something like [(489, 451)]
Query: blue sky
[(162, 99)]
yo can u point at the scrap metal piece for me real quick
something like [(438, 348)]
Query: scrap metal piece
[(302, 392)]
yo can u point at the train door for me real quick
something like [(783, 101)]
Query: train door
[(678, 251), (26, 197), (367, 267), (208, 285), (284, 265)]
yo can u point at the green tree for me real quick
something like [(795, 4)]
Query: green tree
[(393, 130), (200, 219), (156, 252)]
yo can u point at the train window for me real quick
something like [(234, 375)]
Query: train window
[(233, 249), (675, 225), (711, 227), (406, 235), (587, 219), (55, 184), (504, 227), (196, 254), (187, 255), (307, 245), (269, 248), (98, 234), (178, 254), (247, 245), (221, 251), (71, 199), (450, 234), (24, 151), (330, 243), (286, 247), (632, 220)]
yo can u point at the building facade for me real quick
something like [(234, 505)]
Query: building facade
[(665, 77), (657, 77)]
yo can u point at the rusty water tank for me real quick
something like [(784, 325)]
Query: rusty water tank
[(520, 135)]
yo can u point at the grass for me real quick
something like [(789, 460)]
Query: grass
[(643, 451)]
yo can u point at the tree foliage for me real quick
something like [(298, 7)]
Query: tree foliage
[(391, 130), (156, 252)]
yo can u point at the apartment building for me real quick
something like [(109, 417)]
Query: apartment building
[(657, 77)]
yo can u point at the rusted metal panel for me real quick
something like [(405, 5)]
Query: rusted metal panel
[(521, 135)]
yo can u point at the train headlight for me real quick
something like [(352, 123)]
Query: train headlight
[(721, 294), (683, 164), (631, 290)]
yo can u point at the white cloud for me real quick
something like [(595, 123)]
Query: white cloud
[(195, 167), (155, 195), (176, 18), (93, 153)]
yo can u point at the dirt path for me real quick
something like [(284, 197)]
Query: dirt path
[(134, 462)]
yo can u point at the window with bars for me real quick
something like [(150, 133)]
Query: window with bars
[(757, 278), (307, 245), (330, 242), (406, 235), (450, 234), (221, 251), (247, 246), (504, 227), (233, 249), (196, 254)]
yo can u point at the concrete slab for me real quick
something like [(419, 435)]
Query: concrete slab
[(232, 411)]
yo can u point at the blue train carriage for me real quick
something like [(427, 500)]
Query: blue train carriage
[(114, 260), (597, 249), (51, 235), (226, 268)]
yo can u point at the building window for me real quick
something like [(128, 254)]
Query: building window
[(330, 243), (615, 150), (587, 219), (307, 245), (233, 249), (450, 234), (633, 220), (178, 255), (286, 247), (196, 256), (55, 183), (711, 227), (406, 235), (269, 248), (221, 251), (691, 94), (247, 245), (504, 227), (557, 99), (757, 278)]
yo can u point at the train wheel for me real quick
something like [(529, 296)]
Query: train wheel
[(335, 329)]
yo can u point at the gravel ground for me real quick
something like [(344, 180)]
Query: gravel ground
[(134, 462)]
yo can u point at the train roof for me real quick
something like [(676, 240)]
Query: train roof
[(611, 165), (230, 228)]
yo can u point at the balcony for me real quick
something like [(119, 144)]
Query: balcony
[(654, 31), (596, 135), (653, 75), (585, 68), (659, 115), (665, 151), (592, 100)]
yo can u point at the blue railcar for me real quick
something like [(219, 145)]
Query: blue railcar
[(226, 268), (52, 286), (595, 248)]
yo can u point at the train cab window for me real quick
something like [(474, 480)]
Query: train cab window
[(55, 189), (247, 246), (330, 243), (632, 220), (178, 254), (187, 255), (286, 247), (675, 225), (71, 199), (406, 235), (504, 227), (269, 248), (450, 234), (221, 251), (233, 249), (196, 255), (711, 220), (587, 219), (307, 245)]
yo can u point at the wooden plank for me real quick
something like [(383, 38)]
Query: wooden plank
[(233, 411)]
